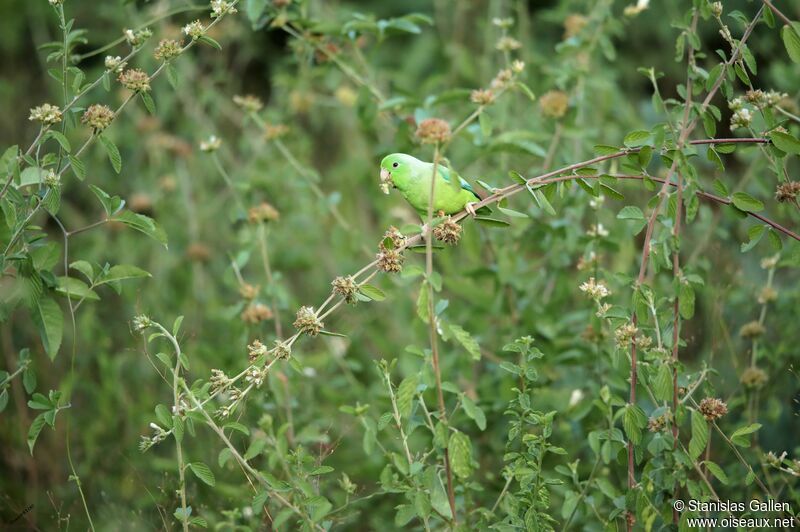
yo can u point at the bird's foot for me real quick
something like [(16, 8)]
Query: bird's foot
[(470, 208)]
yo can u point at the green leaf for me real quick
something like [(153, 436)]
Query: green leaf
[(203, 472), (205, 39), (791, 40), (686, 301), (149, 104), (460, 449), (78, 168), (716, 471), (755, 234), (491, 222), (163, 416), (474, 412), (633, 420), (405, 395), (631, 212), (75, 289), (60, 138), (746, 202), (699, 435), (466, 340), (120, 272), (634, 139), (602, 149), (739, 437), (405, 513), (36, 428), (721, 189), (372, 292), (233, 425), (785, 142), (113, 153), (662, 385), (50, 322), (142, 223)]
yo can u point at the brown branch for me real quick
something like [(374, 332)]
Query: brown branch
[(777, 11)]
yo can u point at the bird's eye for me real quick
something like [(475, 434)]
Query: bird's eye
[(395, 165)]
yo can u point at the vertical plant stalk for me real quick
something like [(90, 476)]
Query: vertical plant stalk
[(432, 330), (176, 381), (262, 242), (676, 323)]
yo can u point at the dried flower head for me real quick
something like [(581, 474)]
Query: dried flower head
[(168, 49), (448, 232), (716, 9), (767, 295), (255, 376), (517, 66), (275, 131), (625, 335), (249, 103), (263, 212), (482, 96), (98, 117), (255, 350), (395, 238), (307, 321), (753, 377), (713, 408), (502, 79), (390, 261), (346, 287), (768, 263), (194, 29), (135, 80), (281, 350), (114, 64), (141, 322), (595, 290), (787, 191), (248, 291), (56, 2), (137, 38), (573, 25), (587, 263), (211, 144), (220, 8), (433, 131), (219, 380), (752, 329), (46, 113), (554, 103), (256, 313), (659, 423), (507, 44), (198, 252)]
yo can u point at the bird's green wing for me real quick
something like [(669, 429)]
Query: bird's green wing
[(450, 175)]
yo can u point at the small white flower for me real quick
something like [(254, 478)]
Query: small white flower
[(595, 290), (212, 144), (194, 29), (597, 230), (575, 397), (220, 8)]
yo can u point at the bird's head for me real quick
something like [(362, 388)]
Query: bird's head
[(394, 166)]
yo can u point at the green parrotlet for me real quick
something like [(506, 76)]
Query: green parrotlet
[(412, 178)]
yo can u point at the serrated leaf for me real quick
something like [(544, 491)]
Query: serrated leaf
[(78, 168), (686, 301), (50, 322), (34, 430), (460, 449), (405, 395), (662, 384), (466, 340), (716, 471), (699, 439), (637, 138), (163, 416), (746, 202), (785, 142), (474, 412), (113, 153), (142, 223), (372, 292), (203, 472), (630, 212), (791, 40)]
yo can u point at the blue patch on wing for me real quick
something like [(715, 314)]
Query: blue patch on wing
[(466, 186)]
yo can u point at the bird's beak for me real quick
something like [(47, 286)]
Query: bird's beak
[(386, 179)]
